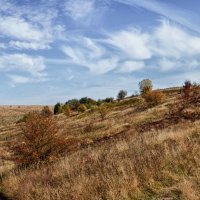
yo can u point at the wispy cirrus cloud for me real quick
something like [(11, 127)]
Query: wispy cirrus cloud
[(168, 46), (172, 12)]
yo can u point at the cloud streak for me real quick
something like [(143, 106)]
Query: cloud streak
[(172, 12)]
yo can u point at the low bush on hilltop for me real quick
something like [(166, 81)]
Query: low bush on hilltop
[(153, 98)]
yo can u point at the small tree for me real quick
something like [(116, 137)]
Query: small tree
[(40, 142), (57, 109), (122, 94), (145, 86)]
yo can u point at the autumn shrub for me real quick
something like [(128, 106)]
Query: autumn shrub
[(153, 98), (40, 142), (145, 86), (103, 111), (73, 104), (82, 108), (46, 112), (190, 93)]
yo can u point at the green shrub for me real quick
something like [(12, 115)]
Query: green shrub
[(57, 109)]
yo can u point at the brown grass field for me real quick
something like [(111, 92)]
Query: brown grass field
[(122, 157)]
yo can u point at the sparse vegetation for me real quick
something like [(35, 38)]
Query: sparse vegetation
[(112, 149)]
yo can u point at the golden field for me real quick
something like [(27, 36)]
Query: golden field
[(135, 153)]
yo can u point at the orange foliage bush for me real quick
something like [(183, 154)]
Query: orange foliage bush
[(153, 98), (40, 142)]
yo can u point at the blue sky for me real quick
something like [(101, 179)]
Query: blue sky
[(56, 50)]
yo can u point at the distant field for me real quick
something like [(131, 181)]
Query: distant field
[(10, 114)]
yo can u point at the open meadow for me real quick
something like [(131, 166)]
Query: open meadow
[(133, 151)]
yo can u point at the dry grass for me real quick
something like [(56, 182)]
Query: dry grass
[(114, 161)]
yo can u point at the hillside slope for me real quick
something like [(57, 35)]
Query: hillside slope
[(135, 153)]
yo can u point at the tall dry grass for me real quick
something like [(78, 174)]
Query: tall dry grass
[(156, 165)]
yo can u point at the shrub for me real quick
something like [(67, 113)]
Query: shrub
[(82, 108), (57, 109), (66, 110), (145, 86), (88, 102), (83, 100), (153, 98), (187, 88), (108, 100), (46, 112), (122, 94), (40, 142), (73, 104), (103, 111)]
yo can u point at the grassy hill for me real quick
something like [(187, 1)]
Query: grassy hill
[(134, 152)]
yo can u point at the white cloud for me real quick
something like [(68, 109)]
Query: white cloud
[(86, 52), (78, 9), (27, 24), (21, 29), (24, 63), (168, 47), (131, 42), (170, 40)]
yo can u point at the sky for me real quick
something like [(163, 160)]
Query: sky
[(55, 50)]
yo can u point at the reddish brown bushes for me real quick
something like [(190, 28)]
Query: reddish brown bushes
[(153, 98), (40, 142)]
